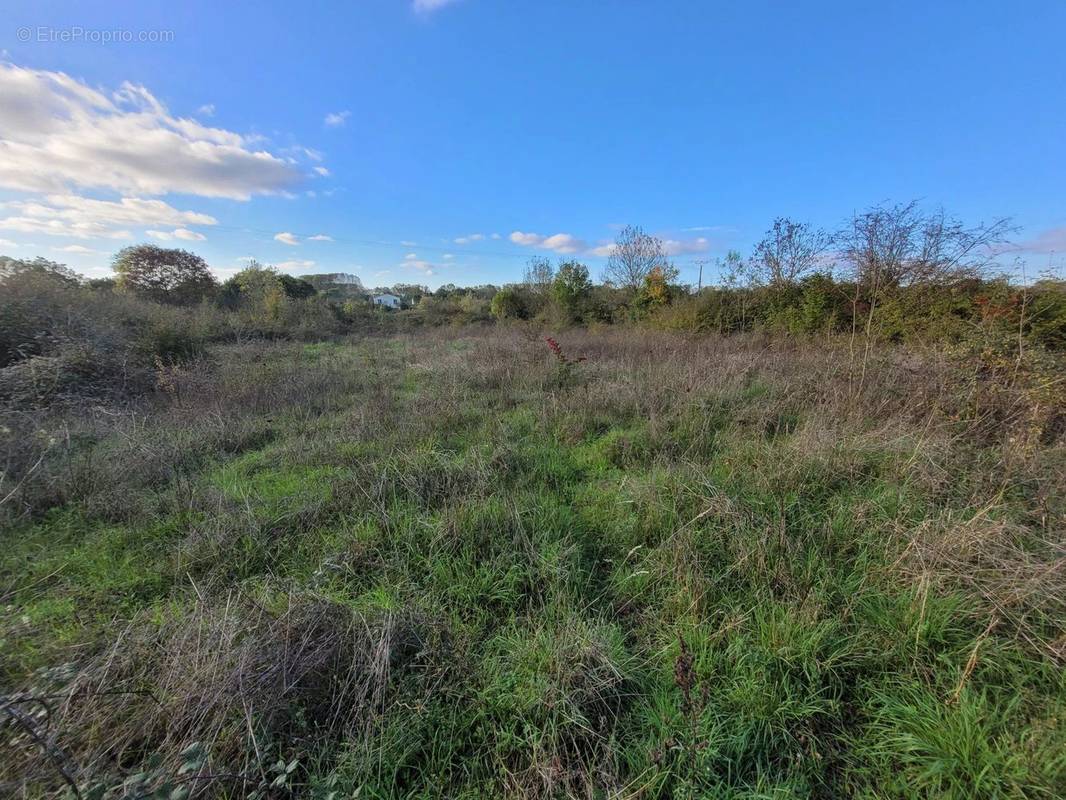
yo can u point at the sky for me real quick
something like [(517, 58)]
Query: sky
[(448, 141)]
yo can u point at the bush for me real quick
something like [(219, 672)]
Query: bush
[(60, 339), (510, 303)]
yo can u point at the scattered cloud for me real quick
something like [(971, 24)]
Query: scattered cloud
[(566, 244), (469, 238), (674, 247), (412, 261), (562, 243), (496, 236), (57, 227), (422, 266), (1052, 240), (322, 171), (320, 237), (84, 218), (671, 247), (177, 233), (337, 119), (206, 110), (429, 6), (77, 249), (57, 133), (7, 243), (286, 238), (409, 244), (287, 265), (448, 256)]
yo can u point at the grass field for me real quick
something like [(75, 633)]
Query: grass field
[(454, 565)]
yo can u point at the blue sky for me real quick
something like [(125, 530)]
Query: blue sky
[(441, 142)]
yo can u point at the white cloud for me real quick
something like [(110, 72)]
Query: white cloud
[(496, 236), (56, 227), (473, 237), (710, 228), (76, 248), (56, 132), (448, 256), (337, 119), (566, 244), (429, 6), (1052, 240), (177, 233), (285, 265), (527, 239), (83, 218), (322, 171), (412, 261), (409, 244), (7, 243), (422, 266), (286, 238), (562, 243), (206, 110), (320, 237), (673, 247)]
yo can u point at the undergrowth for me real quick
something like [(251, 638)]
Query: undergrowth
[(430, 567)]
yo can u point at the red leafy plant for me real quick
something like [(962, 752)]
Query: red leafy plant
[(565, 374), (557, 351)]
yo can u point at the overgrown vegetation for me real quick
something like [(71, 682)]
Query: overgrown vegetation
[(426, 566), (797, 535)]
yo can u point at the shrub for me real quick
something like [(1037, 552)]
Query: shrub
[(60, 339), (510, 303)]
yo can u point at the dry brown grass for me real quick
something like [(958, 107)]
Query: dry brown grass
[(228, 674)]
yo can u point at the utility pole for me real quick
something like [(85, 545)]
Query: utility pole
[(700, 262)]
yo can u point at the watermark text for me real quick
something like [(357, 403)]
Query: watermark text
[(76, 34)]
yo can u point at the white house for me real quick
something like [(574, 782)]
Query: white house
[(387, 300)]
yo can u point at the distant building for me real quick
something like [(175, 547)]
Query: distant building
[(387, 300)]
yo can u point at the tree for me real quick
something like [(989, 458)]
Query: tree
[(162, 275), (634, 255), (889, 246), (539, 275), (789, 251), (572, 289), (296, 288), (656, 289), (262, 289), (11, 267), (893, 246)]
